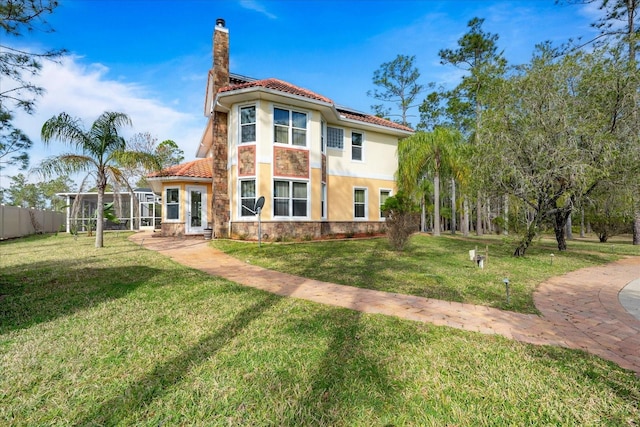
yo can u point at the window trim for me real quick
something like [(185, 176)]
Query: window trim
[(240, 124), (382, 217), (361, 160), (366, 204), (290, 127), (290, 199), (166, 204), (240, 198)]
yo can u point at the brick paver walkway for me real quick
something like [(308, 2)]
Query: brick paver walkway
[(579, 310)]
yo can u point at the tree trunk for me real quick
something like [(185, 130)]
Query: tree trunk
[(559, 227), (423, 214), (465, 220), (526, 239), (487, 217), (636, 222), (102, 184), (453, 206), (505, 230), (436, 204), (582, 223), (479, 215), (569, 230)]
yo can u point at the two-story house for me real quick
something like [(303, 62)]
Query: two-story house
[(321, 168)]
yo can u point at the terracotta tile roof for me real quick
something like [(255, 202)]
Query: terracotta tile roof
[(280, 86), (367, 118), (200, 168)]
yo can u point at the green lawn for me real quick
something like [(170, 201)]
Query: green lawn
[(124, 336), (433, 267)]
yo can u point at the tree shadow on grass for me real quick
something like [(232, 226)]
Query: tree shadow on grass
[(592, 369), (44, 291), (156, 383), (347, 379)]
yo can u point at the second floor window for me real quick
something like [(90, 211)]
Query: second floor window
[(289, 127), (335, 138), (248, 124), (356, 146)]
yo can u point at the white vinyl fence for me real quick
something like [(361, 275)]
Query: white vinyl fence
[(18, 222)]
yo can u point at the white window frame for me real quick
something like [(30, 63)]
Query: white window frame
[(241, 214), (323, 200), (366, 204), (240, 124), (361, 159), (166, 204), (341, 148), (390, 191), (290, 199), (290, 127)]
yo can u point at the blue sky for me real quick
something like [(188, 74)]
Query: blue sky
[(150, 58)]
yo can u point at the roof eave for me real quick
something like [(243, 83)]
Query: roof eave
[(382, 128), (219, 106)]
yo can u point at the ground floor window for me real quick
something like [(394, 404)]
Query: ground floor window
[(384, 195), (360, 203), (290, 198), (172, 203), (247, 197)]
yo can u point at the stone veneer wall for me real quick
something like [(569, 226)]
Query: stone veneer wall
[(291, 162), (247, 160), (220, 184), (172, 229), (220, 202), (273, 230)]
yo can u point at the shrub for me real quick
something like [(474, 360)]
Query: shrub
[(402, 219)]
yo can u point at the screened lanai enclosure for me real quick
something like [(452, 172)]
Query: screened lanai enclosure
[(141, 213)]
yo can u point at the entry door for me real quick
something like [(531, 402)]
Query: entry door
[(196, 210)]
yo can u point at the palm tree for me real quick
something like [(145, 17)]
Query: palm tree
[(101, 149), (424, 154)]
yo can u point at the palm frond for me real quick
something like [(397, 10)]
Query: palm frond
[(64, 164), (132, 159), (64, 128)]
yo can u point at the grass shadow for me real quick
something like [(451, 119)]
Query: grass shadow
[(44, 291), (160, 380), (346, 377)]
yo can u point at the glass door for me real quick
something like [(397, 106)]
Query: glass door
[(196, 210)]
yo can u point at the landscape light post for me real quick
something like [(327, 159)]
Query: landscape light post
[(506, 285)]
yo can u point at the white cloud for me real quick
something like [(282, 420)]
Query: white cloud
[(257, 7), (85, 91)]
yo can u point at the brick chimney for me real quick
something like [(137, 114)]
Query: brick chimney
[(219, 151)]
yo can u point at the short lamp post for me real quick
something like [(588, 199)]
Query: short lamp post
[(257, 210), (506, 285)]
